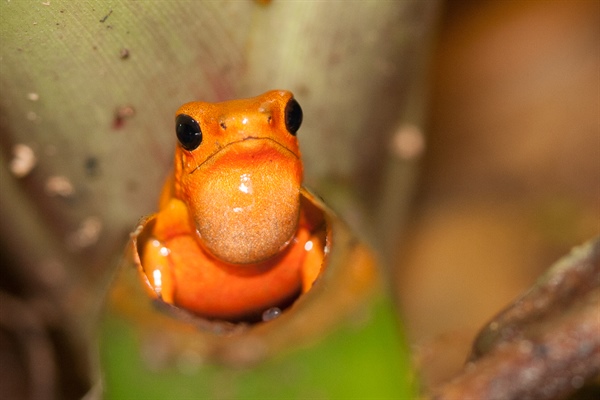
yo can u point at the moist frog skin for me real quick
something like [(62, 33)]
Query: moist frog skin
[(232, 238)]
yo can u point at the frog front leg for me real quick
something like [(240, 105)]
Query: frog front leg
[(313, 260), (171, 223)]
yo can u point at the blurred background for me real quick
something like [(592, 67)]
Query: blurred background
[(511, 174)]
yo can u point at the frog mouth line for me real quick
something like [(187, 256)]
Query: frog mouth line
[(240, 141)]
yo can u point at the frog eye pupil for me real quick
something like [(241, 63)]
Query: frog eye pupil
[(293, 116), (188, 132)]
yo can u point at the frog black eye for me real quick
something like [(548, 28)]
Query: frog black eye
[(188, 132), (293, 116)]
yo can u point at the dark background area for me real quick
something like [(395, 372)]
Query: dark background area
[(511, 174)]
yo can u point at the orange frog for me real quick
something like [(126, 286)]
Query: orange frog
[(232, 239)]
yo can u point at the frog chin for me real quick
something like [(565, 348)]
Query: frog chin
[(246, 202)]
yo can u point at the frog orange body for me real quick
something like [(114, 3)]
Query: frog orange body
[(231, 239)]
